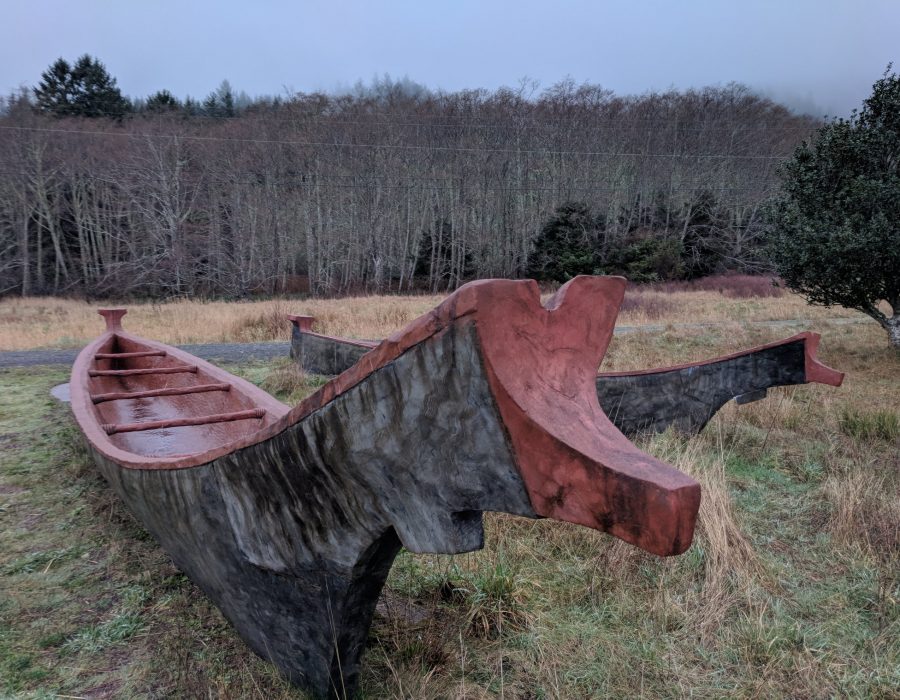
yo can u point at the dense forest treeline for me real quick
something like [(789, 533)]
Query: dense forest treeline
[(389, 188)]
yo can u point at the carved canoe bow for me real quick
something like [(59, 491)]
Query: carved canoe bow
[(289, 518)]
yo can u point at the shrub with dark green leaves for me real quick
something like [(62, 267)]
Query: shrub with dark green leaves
[(836, 227)]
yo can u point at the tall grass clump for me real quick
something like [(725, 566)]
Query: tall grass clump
[(268, 323), (495, 599), (870, 425), (287, 381), (723, 560), (715, 577), (865, 509)]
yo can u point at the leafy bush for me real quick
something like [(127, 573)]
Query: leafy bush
[(571, 243), (836, 232), (883, 425), (647, 260)]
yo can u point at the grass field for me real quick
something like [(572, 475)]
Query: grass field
[(791, 589), (50, 322)]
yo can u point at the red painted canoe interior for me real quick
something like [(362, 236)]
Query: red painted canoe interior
[(216, 398)]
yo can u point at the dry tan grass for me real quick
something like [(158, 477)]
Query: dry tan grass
[(730, 566), (55, 322), (51, 322), (865, 508)]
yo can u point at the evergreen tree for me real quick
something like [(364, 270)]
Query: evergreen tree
[(566, 245), (700, 244), (648, 259), (55, 92), (435, 257), (220, 102), (191, 107), (836, 234), (85, 89), (162, 101)]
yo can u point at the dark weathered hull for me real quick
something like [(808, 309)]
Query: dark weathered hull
[(279, 616), (687, 397), (300, 581), (321, 354), (684, 398)]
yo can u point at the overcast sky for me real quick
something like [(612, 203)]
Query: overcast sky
[(820, 56)]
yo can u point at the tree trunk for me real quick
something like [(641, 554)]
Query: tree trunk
[(892, 325)]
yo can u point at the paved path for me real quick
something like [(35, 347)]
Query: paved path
[(245, 352)]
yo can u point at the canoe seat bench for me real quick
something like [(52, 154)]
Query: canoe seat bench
[(253, 413)]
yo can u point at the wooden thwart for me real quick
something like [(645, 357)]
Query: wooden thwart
[(113, 428), (128, 355), (170, 391), (134, 372)]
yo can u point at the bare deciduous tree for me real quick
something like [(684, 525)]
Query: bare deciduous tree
[(388, 189)]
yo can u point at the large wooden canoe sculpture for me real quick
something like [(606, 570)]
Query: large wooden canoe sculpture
[(684, 397), (289, 519)]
